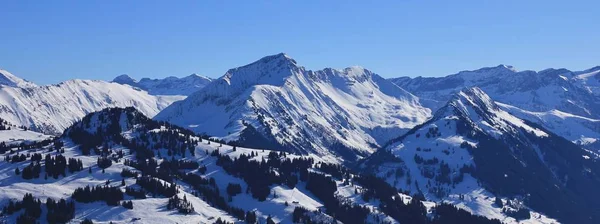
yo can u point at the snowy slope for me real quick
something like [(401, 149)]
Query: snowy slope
[(52, 108), (551, 89), (16, 136), (589, 80), (131, 125), (8, 79), (345, 113), (580, 130), (149, 210), (167, 86), (472, 147), (152, 209)]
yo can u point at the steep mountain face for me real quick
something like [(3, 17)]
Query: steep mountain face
[(473, 148), (52, 108), (563, 101), (337, 113), (8, 79), (167, 86), (551, 89)]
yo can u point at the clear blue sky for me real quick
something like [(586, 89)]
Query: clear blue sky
[(51, 41)]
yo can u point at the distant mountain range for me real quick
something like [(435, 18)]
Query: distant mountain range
[(167, 86), (52, 108), (563, 101), (274, 142)]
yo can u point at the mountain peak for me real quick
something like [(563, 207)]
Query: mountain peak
[(167, 86), (277, 59), (501, 68), (509, 67), (124, 79), (8, 79), (472, 98), (270, 70)]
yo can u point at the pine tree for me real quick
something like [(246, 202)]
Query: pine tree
[(17, 171), (270, 220), (498, 202)]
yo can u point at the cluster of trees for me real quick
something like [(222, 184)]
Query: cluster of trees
[(260, 175), (146, 166), (5, 125), (54, 166), (156, 186), (32, 207), (182, 205), (324, 188), (433, 132), (110, 195), (104, 162), (4, 147), (220, 221), (174, 164), (335, 170), (168, 168), (15, 158), (135, 193), (60, 211), (414, 211), (128, 173), (300, 215), (420, 160), (234, 189), (33, 170), (207, 189), (447, 213), (127, 204), (518, 214)]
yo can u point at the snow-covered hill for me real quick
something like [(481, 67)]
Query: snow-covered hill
[(52, 108), (472, 151), (275, 103), (121, 149), (167, 86)]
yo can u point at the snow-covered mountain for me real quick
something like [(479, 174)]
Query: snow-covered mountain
[(551, 89), (52, 108), (580, 130), (561, 100), (8, 79), (143, 171), (275, 103), (167, 86), (589, 80), (472, 152)]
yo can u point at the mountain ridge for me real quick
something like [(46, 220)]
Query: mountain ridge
[(52, 108), (471, 147), (171, 85), (334, 108)]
